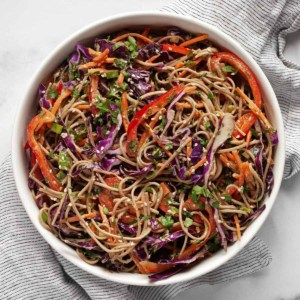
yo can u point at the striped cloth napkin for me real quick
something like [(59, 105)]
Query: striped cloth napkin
[(30, 269)]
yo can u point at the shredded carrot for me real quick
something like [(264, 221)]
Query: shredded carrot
[(179, 65), (124, 110), (197, 61), (101, 57), (182, 74), (236, 176), (137, 35), (151, 125), (65, 94), (93, 52), (190, 89), (197, 165), (120, 79), (47, 118), (240, 167), (238, 228), (76, 218), (153, 58), (187, 105), (194, 40), (88, 65), (248, 138), (110, 60), (227, 162), (137, 263), (189, 148), (255, 109), (165, 189), (230, 156), (83, 107)]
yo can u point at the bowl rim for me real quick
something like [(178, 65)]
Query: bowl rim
[(66, 251)]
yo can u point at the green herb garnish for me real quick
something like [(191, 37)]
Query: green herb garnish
[(166, 221)]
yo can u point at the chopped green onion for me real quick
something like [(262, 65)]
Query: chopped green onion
[(188, 222), (166, 221), (56, 128), (105, 210), (112, 74), (44, 216), (64, 161), (229, 69)]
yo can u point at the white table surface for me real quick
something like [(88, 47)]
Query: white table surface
[(30, 29)]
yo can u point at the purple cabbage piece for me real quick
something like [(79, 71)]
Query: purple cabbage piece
[(43, 101), (170, 118), (104, 44), (139, 82), (274, 137), (90, 131), (129, 228), (76, 172), (104, 89), (68, 141), (154, 224), (219, 227), (259, 161), (254, 215), (176, 99), (150, 50), (108, 163), (166, 274), (197, 152), (141, 253), (70, 85), (198, 175), (142, 172), (80, 50), (226, 127), (67, 231), (83, 245), (104, 145), (188, 260), (41, 200), (120, 52), (158, 242), (182, 173), (269, 180)]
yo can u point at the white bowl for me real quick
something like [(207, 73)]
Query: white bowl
[(27, 109)]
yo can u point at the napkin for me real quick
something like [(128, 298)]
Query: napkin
[(30, 269)]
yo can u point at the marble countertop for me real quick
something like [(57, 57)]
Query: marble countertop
[(30, 29)]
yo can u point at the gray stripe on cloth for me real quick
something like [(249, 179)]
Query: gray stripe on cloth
[(30, 269)]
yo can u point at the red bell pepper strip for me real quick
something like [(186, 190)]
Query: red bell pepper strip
[(60, 87), (147, 111), (37, 172), (244, 123), (106, 198), (94, 93), (176, 49), (40, 157)]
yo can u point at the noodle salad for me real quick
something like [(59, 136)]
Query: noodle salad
[(150, 151)]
